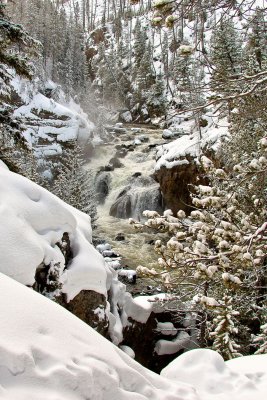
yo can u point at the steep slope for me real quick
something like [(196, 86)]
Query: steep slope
[(48, 354), (46, 244), (50, 123)]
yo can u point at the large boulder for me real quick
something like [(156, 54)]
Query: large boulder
[(178, 165), (174, 184)]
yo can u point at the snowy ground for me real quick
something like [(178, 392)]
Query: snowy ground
[(48, 354)]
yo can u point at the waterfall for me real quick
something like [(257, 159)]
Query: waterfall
[(125, 187)]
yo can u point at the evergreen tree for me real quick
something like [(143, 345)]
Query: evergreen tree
[(139, 43), (15, 47), (226, 57), (74, 184)]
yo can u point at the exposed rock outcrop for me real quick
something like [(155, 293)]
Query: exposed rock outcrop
[(143, 338), (90, 307), (174, 184)]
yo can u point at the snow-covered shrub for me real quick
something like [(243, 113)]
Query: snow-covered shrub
[(218, 251)]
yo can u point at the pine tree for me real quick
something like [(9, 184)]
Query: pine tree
[(139, 43), (226, 57), (15, 47), (74, 184)]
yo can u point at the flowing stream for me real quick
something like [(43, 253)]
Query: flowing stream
[(123, 169)]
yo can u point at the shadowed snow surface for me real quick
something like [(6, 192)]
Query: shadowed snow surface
[(48, 354)]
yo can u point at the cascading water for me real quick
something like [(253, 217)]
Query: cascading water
[(125, 187)]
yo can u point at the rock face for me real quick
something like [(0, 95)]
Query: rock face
[(142, 338), (90, 307), (49, 127), (174, 184)]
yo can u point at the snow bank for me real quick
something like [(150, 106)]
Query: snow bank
[(32, 224), (48, 354), (189, 146), (244, 378)]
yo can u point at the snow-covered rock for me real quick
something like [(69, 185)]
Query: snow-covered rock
[(33, 222), (126, 116), (49, 124), (178, 162), (40, 234)]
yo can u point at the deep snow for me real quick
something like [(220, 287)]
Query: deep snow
[(46, 353)]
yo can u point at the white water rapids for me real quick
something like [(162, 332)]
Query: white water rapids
[(139, 191)]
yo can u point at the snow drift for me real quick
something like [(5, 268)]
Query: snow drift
[(46, 353), (32, 224)]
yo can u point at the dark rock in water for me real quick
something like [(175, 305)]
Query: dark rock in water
[(120, 237), (97, 241), (109, 168), (120, 130), (122, 208), (152, 242), (102, 186), (137, 174), (121, 153), (115, 162), (129, 147)]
